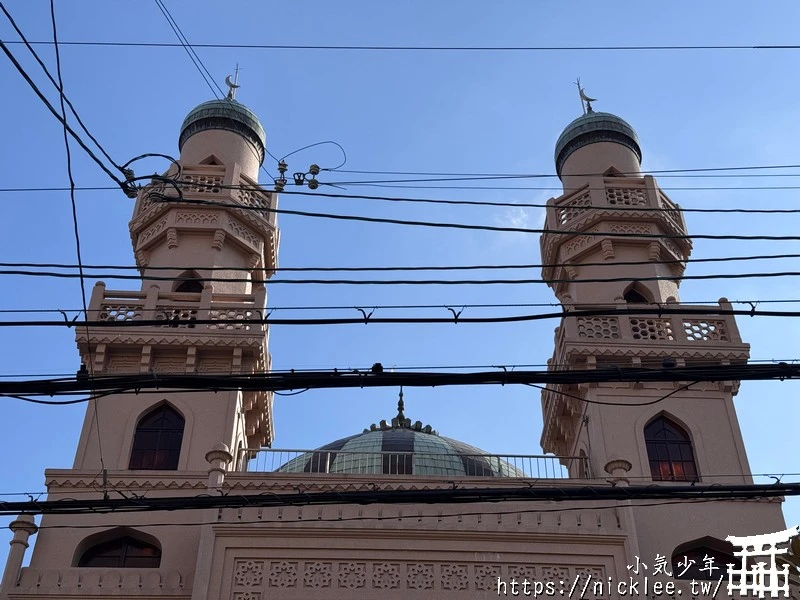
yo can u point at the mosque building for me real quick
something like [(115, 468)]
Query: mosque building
[(193, 443)]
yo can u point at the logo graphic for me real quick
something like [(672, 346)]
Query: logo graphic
[(760, 578)]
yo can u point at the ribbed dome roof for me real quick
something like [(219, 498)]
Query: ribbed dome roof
[(226, 114), (591, 128), (400, 448)]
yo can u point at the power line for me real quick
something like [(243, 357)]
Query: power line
[(372, 282), (408, 48), (115, 384), (566, 306), (61, 119), (521, 266), (53, 81), (452, 495), (366, 319), (381, 517), (471, 227), (60, 86)]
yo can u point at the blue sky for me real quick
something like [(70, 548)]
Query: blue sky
[(406, 111)]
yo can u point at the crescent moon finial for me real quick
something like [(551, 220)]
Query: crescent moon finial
[(232, 85)]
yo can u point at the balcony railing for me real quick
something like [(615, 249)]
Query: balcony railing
[(631, 194), (180, 310), (215, 183), (338, 462)]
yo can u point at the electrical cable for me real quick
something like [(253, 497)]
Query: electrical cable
[(61, 119), (53, 81), (381, 517), (366, 319), (405, 48), (76, 231), (283, 382), (471, 227), (456, 495), (711, 276)]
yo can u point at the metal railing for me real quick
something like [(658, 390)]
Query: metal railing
[(341, 462)]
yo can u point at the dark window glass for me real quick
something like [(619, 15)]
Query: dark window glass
[(194, 286), (634, 297), (669, 451), (124, 552), (157, 442)]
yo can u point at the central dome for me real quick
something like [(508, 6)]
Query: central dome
[(591, 128), (226, 114), (400, 448)]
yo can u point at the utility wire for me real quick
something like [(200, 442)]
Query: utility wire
[(455, 495), (361, 518), (366, 319), (629, 209), (283, 382), (456, 318), (65, 99), (409, 48), (61, 119), (656, 306), (202, 69), (471, 227), (60, 86), (112, 276), (522, 266)]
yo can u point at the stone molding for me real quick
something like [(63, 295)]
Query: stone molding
[(82, 582)]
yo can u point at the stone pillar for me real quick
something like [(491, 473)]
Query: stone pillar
[(219, 458), (618, 469), (23, 527)]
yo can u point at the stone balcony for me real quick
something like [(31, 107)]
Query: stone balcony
[(618, 205), (255, 230), (240, 345)]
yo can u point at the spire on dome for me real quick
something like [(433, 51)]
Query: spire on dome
[(586, 102), (233, 85)]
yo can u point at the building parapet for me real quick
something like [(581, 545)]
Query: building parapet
[(119, 583)]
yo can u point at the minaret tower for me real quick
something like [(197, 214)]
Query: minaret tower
[(639, 241), (650, 432)]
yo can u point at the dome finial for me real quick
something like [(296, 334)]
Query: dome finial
[(401, 417), (233, 85), (586, 102)]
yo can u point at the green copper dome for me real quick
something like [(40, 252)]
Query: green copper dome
[(226, 114), (401, 448), (591, 128)]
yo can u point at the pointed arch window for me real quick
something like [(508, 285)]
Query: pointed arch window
[(157, 441), (122, 553), (189, 281), (635, 293), (669, 451)]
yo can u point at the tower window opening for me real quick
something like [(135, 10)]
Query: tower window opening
[(124, 552), (636, 294), (194, 286), (669, 451), (157, 442)]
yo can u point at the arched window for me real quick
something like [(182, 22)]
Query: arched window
[(189, 281), (669, 451), (635, 293), (157, 442), (123, 552), (705, 558)]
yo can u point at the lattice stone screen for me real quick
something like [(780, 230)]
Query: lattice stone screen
[(598, 327), (652, 329)]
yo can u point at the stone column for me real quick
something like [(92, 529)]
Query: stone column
[(618, 469), (23, 527), (219, 458)]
